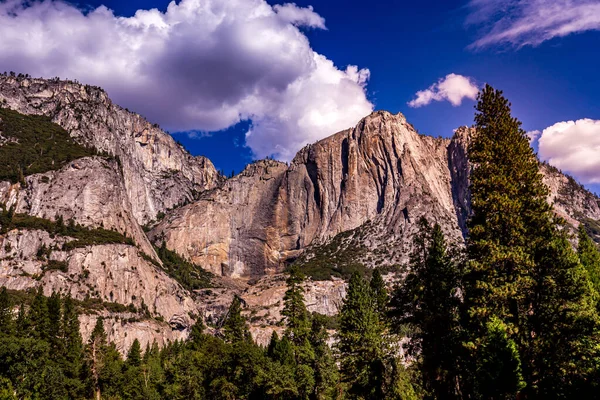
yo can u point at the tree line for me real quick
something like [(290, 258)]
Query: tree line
[(514, 315)]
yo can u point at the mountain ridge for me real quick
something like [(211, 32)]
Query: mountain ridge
[(349, 199)]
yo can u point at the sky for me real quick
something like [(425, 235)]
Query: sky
[(237, 80)]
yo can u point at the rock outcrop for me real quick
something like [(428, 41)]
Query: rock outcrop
[(378, 178), (382, 173), (230, 230), (90, 191), (109, 273), (158, 173), (362, 190)]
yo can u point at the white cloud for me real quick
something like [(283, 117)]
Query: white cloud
[(531, 22), (453, 88), (300, 16), (573, 146), (202, 65), (533, 135)]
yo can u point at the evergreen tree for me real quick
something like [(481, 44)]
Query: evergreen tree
[(273, 343), (54, 304), (7, 320), (379, 292), (235, 328), (134, 355), (499, 367), (96, 351), (71, 333), (361, 342), (297, 317), (73, 348), (520, 267), (197, 332), (325, 371), (282, 350), (133, 382), (428, 303), (298, 333), (152, 373), (39, 316), (110, 372), (23, 323), (565, 326), (589, 256)]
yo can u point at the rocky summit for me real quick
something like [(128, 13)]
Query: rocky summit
[(151, 238)]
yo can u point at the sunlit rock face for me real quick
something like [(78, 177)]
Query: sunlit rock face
[(370, 183), (382, 174), (158, 173)]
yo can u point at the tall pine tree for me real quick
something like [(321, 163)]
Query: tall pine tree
[(361, 342), (379, 291), (428, 303), (521, 268), (294, 310), (589, 256), (95, 355), (7, 323), (235, 328)]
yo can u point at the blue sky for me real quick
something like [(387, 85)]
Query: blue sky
[(408, 46)]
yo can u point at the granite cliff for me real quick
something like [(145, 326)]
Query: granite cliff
[(360, 190), (350, 199), (158, 173)]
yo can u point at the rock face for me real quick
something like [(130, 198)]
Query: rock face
[(229, 230), (382, 173), (109, 273), (378, 178), (367, 185), (158, 173), (90, 191)]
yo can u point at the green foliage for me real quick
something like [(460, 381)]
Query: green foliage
[(44, 357), (330, 322), (499, 366), (54, 265), (338, 258), (361, 342), (404, 384), (134, 356), (589, 256), (304, 344), (522, 273), (7, 323), (235, 328), (592, 227), (34, 145), (83, 236), (190, 276), (379, 291), (428, 303), (294, 310), (89, 305)]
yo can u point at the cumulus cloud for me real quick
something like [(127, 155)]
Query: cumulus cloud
[(201, 65), (530, 22), (453, 88), (573, 146), (293, 14)]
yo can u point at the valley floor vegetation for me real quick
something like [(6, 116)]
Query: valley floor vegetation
[(514, 315)]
